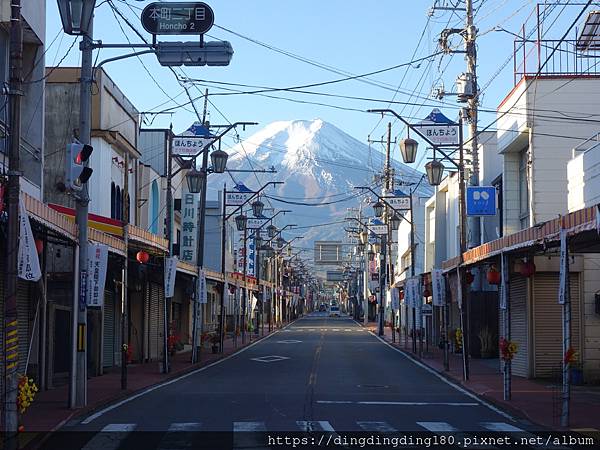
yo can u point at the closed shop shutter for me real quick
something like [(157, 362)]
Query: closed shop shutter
[(24, 317), (161, 319), (153, 320), (519, 324), (108, 350), (2, 299), (547, 320)]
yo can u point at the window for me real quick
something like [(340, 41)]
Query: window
[(523, 189), (154, 201), (113, 200), (118, 204)]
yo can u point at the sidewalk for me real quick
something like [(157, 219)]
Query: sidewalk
[(50, 410), (536, 400)]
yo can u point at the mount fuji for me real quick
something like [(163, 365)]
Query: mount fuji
[(320, 166)]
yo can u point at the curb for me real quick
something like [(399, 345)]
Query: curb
[(44, 435)]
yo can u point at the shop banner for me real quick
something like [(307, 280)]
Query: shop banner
[(201, 288), (29, 263), (170, 274), (96, 278), (395, 299), (563, 289), (438, 284), (504, 282)]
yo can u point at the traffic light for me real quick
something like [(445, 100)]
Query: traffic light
[(76, 174)]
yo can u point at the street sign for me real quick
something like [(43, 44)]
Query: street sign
[(481, 201), (177, 18), (256, 222), (439, 129), (192, 141), (240, 195), (400, 203)]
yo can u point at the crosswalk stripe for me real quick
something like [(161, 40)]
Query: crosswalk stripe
[(178, 436), (110, 437), (315, 425), (437, 426), (501, 426), (382, 427), (239, 427)]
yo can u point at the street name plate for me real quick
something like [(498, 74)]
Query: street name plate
[(190, 145), (177, 18), (400, 203)]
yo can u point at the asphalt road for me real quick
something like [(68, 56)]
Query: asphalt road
[(319, 374)]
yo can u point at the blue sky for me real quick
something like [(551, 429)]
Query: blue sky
[(349, 37)]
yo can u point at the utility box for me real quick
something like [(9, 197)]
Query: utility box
[(464, 87)]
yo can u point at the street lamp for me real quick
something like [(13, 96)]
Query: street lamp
[(240, 222), (408, 149), (396, 220), (76, 15), (219, 161), (257, 208), (272, 231), (194, 180), (435, 171), (364, 237), (378, 209), (280, 242), (376, 247)]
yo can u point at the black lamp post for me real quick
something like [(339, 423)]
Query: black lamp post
[(76, 15), (378, 209), (257, 208), (435, 172), (240, 222), (194, 179), (219, 161), (408, 149)]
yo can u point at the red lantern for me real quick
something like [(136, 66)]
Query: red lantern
[(469, 277), (528, 268), (426, 293), (231, 289), (142, 257), (493, 275), (401, 295), (39, 246)]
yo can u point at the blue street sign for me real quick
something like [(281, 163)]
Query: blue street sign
[(481, 201)]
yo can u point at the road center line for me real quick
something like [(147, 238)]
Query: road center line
[(384, 403)]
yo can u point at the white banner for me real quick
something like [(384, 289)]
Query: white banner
[(459, 288), (97, 266), (29, 263), (201, 288), (170, 275), (412, 292), (563, 289), (504, 282), (395, 299), (438, 283), (189, 223), (253, 302)]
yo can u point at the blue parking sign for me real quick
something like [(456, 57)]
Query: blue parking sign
[(481, 201)]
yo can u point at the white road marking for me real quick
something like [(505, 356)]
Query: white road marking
[(501, 426), (289, 341), (175, 380), (437, 427), (269, 359), (384, 403), (246, 427), (320, 425), (382, 427), (178, 436), (448, 382), (110, 437)]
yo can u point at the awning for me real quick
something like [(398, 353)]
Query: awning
[(49, 218)]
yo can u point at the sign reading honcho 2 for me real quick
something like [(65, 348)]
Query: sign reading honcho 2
[(177, 18)]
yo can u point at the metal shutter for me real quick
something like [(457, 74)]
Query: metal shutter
[(24, 325), (547, 322), (519, 324), (160, 291), (153, 320), (108, 350), (2, 300)]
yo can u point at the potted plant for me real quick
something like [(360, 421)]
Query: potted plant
[(487, 340), (175, 344), (458, 341), (575, 371), (508, 349)]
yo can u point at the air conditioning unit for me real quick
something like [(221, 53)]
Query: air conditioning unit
[(464, 87)]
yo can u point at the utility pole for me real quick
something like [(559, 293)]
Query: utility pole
[(473, 103), (11, 349), (124, 275)]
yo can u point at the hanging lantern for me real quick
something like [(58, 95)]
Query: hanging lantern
[(257, 208), (528, 268), (272, 231), (435, 172), (39, 246), (469, 277), (396, 220), (401, 295), (378, 209), (219, 160), (426, 293), (142, 257), (232, 289), (493, 275), (408, 150), (240, 222)]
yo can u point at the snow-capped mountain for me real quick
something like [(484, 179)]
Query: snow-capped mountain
[(320, 165)]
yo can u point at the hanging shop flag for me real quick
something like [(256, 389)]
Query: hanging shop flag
[(96, 278), (201, 289), (504, 282), (29, 263), (563, 289), (189, 223), (459, 293), (395, 299), (438, 283), (170, 274)]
